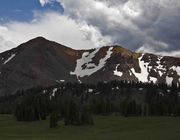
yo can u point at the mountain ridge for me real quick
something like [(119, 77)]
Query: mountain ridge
[(40, 62)]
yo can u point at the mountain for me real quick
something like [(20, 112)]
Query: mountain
[(40, 62)]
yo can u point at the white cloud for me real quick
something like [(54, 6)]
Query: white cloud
[(93, 34), (131, 9), (156, 48), (152, 46), (146, 49), (52, 26), (171, 53), (44, 2)]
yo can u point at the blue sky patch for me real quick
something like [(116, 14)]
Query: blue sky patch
[(22, 10)]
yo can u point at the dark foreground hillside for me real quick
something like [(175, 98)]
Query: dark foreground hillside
[(106, 128)]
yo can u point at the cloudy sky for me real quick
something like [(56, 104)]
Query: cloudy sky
[(140, 25)]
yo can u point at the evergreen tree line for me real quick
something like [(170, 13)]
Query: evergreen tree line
[(32, 108), (70, 110), (76, 103)]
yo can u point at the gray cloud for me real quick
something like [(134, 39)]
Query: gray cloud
[(141, 25)]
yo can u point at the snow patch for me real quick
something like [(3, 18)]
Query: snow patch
[(169, 80), (153, 79), (177, 69), (160, 67), (10, 58), (54, 91), (130, 72), (44, 91), (168, 90), (160, 73), (140, 89), (97, 93), (60, 81), (87, 61), (143, 75), (85, 54), (90, 90), (116, 72), (161, 94)]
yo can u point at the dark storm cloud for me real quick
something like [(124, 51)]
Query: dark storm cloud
[(139, 25)]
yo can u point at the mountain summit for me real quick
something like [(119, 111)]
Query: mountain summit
[(40, 62)]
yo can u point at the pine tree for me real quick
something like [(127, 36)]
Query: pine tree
[(86, 116), (53, 120)]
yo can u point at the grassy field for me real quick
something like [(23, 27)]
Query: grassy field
[(105, 128)]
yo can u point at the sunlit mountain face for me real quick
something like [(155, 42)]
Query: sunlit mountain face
[(24, 10)]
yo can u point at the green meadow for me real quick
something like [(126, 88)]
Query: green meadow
[(105, 128)]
